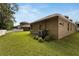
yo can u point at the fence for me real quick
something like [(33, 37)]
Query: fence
[(3, 32)]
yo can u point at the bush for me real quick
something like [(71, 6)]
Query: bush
[(48, 38), (40, 39), (36, 37)]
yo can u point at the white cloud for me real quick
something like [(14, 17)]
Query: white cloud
[(73, 14), (28, 9), (26, 13), (30, 13)]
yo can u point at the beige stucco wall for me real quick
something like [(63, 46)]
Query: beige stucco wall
[(63, 29), (52, 26), (34, 27)]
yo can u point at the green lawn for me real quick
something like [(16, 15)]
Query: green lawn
[(22, 44)]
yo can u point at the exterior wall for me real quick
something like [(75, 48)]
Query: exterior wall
[(51, 24), (65, 28), (34, 27), (26, 28), (58, 27)]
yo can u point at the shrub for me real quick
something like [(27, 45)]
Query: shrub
[(36, 37), (48, 38), (40, 39)]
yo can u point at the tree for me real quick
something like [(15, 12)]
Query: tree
[(7, 11), (9, 24)]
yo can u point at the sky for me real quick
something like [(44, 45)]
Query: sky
[(29, 12)]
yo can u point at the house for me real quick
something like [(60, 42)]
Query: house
[(25, 26), (77, 24), (58, 25)]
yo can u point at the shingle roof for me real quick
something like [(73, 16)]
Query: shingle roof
[(25, 26), (53, 15), (46, 17)]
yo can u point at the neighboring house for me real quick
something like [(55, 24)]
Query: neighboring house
[(17, 28), (77, 24), (58, 25), (25, 26)]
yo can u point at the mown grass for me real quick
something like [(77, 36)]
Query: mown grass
[(22, 44)]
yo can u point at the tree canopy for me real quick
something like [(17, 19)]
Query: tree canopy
[(7, 11)]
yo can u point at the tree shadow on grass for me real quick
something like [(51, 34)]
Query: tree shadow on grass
[(67, 46)]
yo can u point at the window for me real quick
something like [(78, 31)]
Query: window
[(62, 24), (31, 27), (39, 27), (68, 27), (45, 25), (71, 27)]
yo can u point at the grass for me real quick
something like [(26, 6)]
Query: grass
[(22, 44)]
